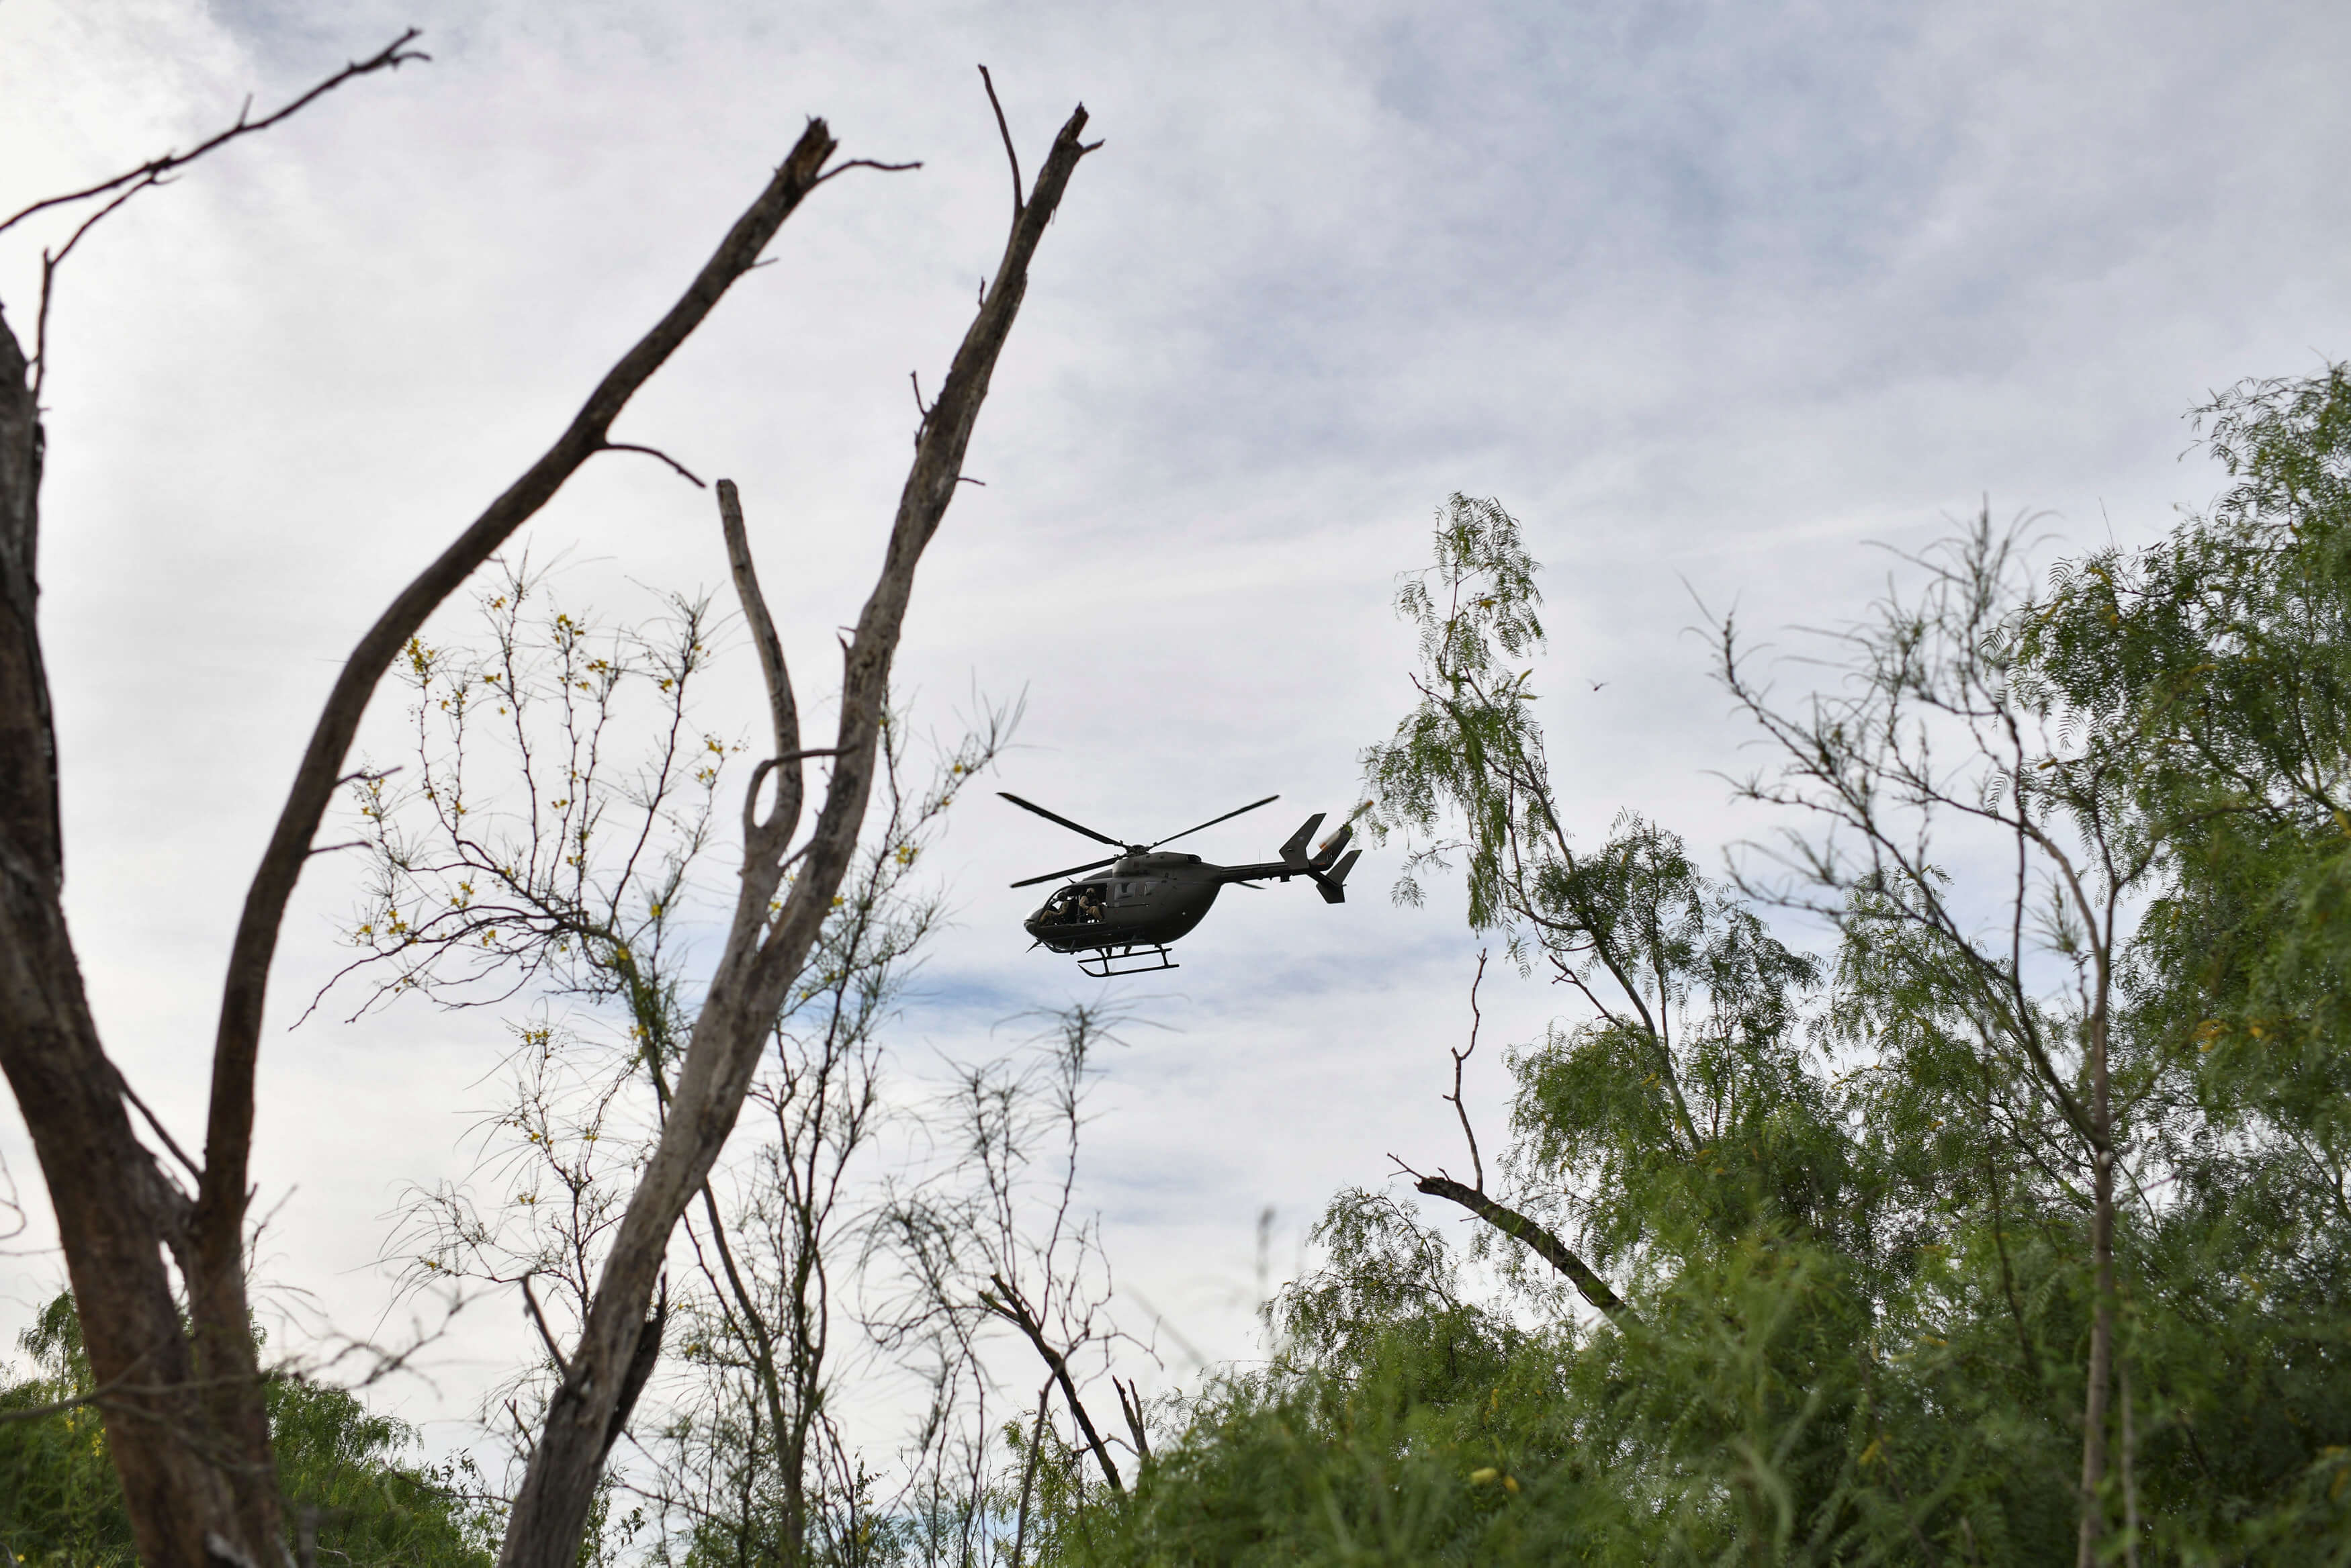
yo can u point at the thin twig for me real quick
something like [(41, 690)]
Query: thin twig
[(1006, 130), (1476, 1166), (157, 1123), (49, 265), (394, 55), (546, 1334), (372, 775), (847, 164), (655, 452)]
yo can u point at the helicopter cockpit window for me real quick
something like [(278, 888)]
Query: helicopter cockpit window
[(1075, 906)]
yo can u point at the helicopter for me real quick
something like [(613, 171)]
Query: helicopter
[(1121, 921)]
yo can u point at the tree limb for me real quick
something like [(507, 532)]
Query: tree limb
[(1010, 152), (1545, 1245), (1008, 1304), (1130, 1404), (783, 711)]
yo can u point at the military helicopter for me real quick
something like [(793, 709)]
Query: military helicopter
[(1121, 921)]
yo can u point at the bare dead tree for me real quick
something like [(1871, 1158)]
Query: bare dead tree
[(766, 946), (187, 1427)]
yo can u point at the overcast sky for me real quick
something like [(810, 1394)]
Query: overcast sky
[(1707, 294)]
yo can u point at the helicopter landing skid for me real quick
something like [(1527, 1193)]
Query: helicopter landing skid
[(1099, 962)]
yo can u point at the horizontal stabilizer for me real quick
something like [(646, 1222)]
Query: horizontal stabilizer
[(1294, 851), (1331, 883)]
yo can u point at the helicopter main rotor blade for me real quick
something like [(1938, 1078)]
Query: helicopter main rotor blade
[(1051, 876), (1214, 820), (1119, 844)]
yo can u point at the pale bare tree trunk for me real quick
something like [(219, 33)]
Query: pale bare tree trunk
[(764, 954)]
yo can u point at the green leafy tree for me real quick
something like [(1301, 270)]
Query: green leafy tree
[(352, 1478), (2015, 1228)]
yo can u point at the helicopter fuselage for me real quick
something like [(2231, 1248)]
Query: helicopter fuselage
[(1141, 900)]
